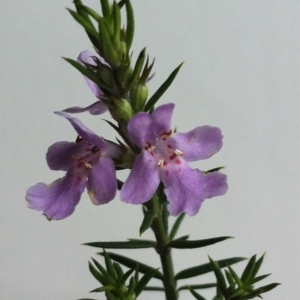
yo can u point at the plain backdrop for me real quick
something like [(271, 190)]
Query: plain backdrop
[(241, 73)]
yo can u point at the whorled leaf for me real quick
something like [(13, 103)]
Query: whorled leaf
[(183, 244), (132, 244), (132, 264), (206, 268)]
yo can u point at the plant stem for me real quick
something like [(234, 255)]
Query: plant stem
[(164, 251)]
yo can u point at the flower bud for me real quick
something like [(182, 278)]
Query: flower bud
[(138, 95), (120, 109)]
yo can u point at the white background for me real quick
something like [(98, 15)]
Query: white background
[(241, 73)]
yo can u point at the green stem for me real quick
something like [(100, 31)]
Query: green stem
[(164, 251)]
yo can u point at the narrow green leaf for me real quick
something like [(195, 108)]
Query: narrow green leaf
[(161, 90), (105, 273), (184, 237), (154, 288), (126, 275), (90, 12), (230, 280), (197, 286), (136, 274), (105, 8), (261, 290), (219, 275), (86, 72), (131, 263), (129, 25), (121, 3), (119, 272), (138, 67), (257, 266), (116, 15), (144, 281), (236, 277), (86, 299), (84, 23), (268, 287), (176, 226), (109, 266), (131, 286), (149, 242), (182, 244), (147, 221), (215, 170), (249, 269), (109, 53), (237, 294), (78, 4), (259, 278), (95, 40), (110, 296), (132, 244), (103, 289), (206, 268), (97, 275), (195, 294)]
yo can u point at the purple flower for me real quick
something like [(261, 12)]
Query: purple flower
[(88, 163), (97, 108), (164, 156)]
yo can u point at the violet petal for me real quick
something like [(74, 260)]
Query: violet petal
[(102, 182), (138, 129), (161, 117), (59, 155), (199, 143), (142, 181), (96, 108), (86, 57), (186, 188), (57, 200), (144, 128), (83, 131)]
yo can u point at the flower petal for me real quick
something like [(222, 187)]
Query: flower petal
[(215, 184), (59, 155), (161, 117), (96, 108), (186, 188), (83, 131), (200, 143), (144, 128), (102, 182), (57, 200), (138, 129), (142, 181), (87, 57)]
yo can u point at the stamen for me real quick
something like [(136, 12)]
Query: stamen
[(160, 163), (88, 166), (178, 152), (149, 146)]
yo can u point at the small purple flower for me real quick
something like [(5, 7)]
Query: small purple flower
[(97, 108), (164, 156), (88, 163)]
